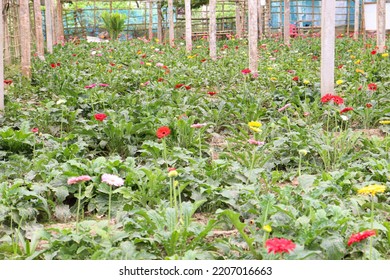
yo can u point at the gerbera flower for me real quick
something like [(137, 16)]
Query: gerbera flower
[(357, 237), (100, 117), (372, 86), (246, 71), (163, 132), (372, 189), (255, 126), (279, 245), (35, 130), (198, 125), (326, 98), (112, 180), (296, 78), (7, 82), (75, 180), (384, 122), (346, 109), (254, 142), (373, 52), (338, 100), (211, 93)]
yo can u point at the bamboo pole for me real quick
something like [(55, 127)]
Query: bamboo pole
[(171, 24), (150, 2), (7, 47), (260, 18), (381, 25), (252, 35), (286, 32), (356, 20), (49, 26), (213, 29), (159, 23), (25, 38), (328, 12), (238, 20), (1, 59), (187, 4), (38, 30)]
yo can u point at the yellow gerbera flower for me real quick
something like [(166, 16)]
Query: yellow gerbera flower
[(273, 79), (385, 54), (255, 126), (306, 82), (372, 189), (339, 82), (267, 228), (385, 122), (357, 61), (359, 71)]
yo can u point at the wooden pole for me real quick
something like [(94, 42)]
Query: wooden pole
[(171, 24), (150, 19), (54, 22), (60, 24), (187, 4), (25, 38), (260, 18), (213, 29), (38, 29), (381, 25), (356, 20), (1, 60), (159, 22), (328, 24), (286, 32), (252, 35), (49, 26), (238, 20)]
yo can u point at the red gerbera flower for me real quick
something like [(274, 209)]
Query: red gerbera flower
[(246, 71), (58, 64), (373, 52), (372, 86), (160, 80), (279, 245), (346, 109), (296, 78), (357, 237), (35, 130), (211, 93), (53, 65), (187, 87), (203, 60), (340, 66), (179, 85), (327, 97), (338, 100), (7, 82), (100, 117), (368, 105), (163, 132)]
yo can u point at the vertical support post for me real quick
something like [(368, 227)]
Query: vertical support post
[(159, 23), (54, 22), (213, 29), (188, 16), (356, 20), (286, 32), (38, 29), (381, 25), (60, 24), (1, 60), (260, 18), (328, 22), (252, 35), (238, 20), (49, 26), (171, 24), (267, 16), (348, 15), (150, 19), (25, 37)]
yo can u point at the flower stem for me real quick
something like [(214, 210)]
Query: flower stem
[(78, 209), (299, 165), (200, 146), (109, 205), (165, 152), (372, 224)]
